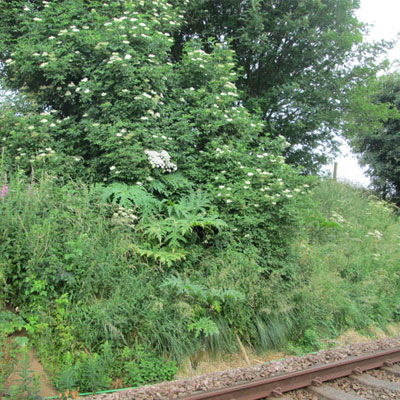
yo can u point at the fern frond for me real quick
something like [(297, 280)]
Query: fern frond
[(194, 203), (204, 325), (157, 186)]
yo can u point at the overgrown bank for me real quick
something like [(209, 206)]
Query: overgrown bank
[(81, 268), (102, 314), (149, 211), (348, 256)]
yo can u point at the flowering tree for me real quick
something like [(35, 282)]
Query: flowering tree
[(104, 101)]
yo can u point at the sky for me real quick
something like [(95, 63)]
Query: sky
[(384, 16)]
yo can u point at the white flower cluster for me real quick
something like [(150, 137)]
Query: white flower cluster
[(125, 216), (41, 156), (272, 189), (375, 234), (337, 218), (161, 160)]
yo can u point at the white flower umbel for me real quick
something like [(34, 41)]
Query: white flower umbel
[(161, 160)]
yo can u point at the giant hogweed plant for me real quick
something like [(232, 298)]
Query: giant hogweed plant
[(163, 228)]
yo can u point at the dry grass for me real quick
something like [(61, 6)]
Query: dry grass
[(350, 337), (210, 364), (207, 363), (374, 333)]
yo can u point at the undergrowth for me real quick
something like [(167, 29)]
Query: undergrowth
[(104, 314), (348, 253), (74, 267)]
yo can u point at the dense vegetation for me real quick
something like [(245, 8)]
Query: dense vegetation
[(349, 256), (380, 147), (149, 210), (304, 65), (98, 311)]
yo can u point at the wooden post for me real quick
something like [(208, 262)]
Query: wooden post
[(334, 171), (243, 350)]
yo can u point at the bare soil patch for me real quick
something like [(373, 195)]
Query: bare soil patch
[(46, 388)]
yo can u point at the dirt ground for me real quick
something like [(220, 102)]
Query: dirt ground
[(46, 388)]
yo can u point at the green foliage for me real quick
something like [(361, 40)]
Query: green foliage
[(107, 293), (10, 322), (204, 326), (165, 236), (162, 227), (379, 147), (86, 286), (47, 242), (198, 292), (159, 216), (126, 196), (137, 366), (348, 276), (107, 105), (142, 367), (303, 64), (90, 372), (202, 300)]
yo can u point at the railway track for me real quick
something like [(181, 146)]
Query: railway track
[(348, 379), (352, 372)]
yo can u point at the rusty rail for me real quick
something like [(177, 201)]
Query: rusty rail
[(277, 385)]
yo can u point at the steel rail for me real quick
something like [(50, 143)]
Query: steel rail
[(279, 384)]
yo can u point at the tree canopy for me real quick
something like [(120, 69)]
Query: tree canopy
[(299, 63), (379, 148)]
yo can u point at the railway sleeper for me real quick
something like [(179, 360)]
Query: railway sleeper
[(372, 382), (325, 392), (393, 370)]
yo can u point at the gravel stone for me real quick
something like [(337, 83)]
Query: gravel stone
[(379, 374), (301, 395), (349, 386)]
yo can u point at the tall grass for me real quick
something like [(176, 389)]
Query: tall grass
[(349, 257)]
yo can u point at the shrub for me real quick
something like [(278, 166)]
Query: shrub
[(101, 101), (142, 366)]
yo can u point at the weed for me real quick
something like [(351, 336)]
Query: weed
[(28, 386)]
